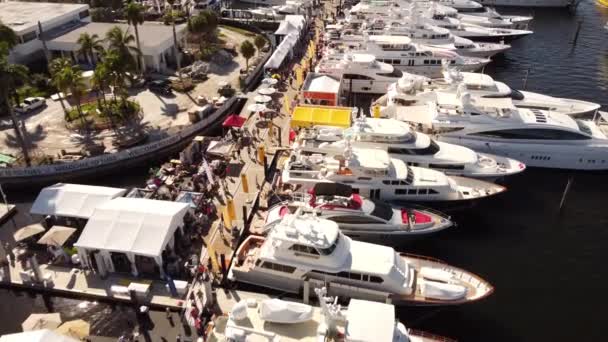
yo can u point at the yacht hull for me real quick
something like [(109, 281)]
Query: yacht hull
[(527, 3), (554, 156)]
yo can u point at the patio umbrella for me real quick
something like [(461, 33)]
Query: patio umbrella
[(257, 107), (234, 120), (270, 81), (262, 99), (57, 236), (28, 231), (77, 329), (267, 91), (41, 321)]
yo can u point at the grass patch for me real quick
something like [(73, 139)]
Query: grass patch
[(112, 113), (238, 30)]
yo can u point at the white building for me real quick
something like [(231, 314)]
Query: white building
[(129, 235), (24, 19), (156, 42)]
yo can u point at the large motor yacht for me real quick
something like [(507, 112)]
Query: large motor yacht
[(306, 250), (419, 33), (527, 3), (481, 85), (536, 137), (401, 53), (360, 73), (414, 148), (265, 320), (374, 174), (359, 217), (475, 32), (516, 21)]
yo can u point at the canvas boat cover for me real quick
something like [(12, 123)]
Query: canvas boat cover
[(280, 311)]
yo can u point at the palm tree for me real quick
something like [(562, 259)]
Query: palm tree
[(121, 42), (99, 82), (116, 71), (6, 84), (247, 50), (259, 42), (134, 13), (71, 78), (89, 44), (55, 68), (175, 48)]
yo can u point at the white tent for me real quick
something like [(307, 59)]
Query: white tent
[(133, 226), (44, 335), (323, 83), (285, 28), (73, 200), (278, 56)]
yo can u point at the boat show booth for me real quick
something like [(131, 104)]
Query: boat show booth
[(131, 235), (321, 89), (310, 116)]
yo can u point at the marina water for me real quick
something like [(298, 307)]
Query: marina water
[(547, 265)]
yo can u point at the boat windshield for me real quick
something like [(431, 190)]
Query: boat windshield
[(396, 73), (582, 126), (332, 248), (382, 210)]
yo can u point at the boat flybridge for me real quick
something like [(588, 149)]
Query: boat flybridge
[(306, 250), (536, 137), (402, 54), (359, 217), (360, 73), (265, 320), (414, 148), (412, 87), (418, 32), (374, 174)]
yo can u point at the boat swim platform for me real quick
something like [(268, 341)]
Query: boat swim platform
[(78, 283)]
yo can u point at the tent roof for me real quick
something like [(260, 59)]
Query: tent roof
[(44, 335), (279, 54), (323, 84), (73, 200), (285, 28), (137, 225), (309, 116)]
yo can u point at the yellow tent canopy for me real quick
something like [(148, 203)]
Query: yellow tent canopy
[(309, 116)]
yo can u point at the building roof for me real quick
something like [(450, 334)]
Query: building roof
[(151, 36), (73, 200), (362, 314), (44, 335), (21, 16), (135, 225)]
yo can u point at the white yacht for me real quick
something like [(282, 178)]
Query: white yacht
[(419, 33), (528, 3), (536, 137), (475, 32), (517, 21), (359, 217), (401, 53), (264, 320), (413, 148), (360, 73), (305, 250), (374, 174), (481, 85)]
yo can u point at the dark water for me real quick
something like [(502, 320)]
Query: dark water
[(548, 268)]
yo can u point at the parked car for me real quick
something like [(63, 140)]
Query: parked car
[(160, 87), (30, 104)]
